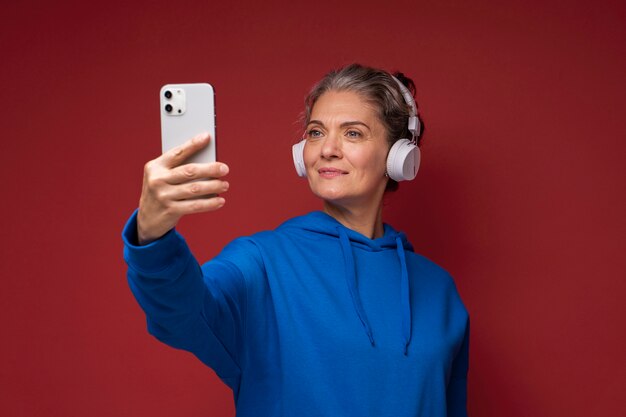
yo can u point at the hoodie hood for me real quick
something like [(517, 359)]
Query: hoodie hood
[(319, 222)]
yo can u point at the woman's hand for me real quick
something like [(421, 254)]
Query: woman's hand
[(171, 190)]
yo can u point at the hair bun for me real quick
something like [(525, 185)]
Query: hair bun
[(408, 83)]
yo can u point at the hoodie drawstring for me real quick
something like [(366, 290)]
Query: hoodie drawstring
[(348, 260), (351, 280)]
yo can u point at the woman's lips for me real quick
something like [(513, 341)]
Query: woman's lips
[(330, 172)]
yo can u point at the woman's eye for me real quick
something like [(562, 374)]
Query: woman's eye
[(314, 133), (353, 134)]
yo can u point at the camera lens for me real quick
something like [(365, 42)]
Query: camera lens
[(168, 94), (168, 108)]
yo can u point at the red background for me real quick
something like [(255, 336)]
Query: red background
[(521, 195)]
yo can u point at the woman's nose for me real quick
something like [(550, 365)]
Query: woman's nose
[(331, 148)]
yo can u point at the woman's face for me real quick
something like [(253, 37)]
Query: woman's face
[(346, 150)]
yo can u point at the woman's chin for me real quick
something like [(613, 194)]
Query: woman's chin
[(330, 194)]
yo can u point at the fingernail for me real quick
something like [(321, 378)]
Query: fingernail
[(223, 169)]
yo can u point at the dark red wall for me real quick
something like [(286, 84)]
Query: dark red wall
[(521, 196)]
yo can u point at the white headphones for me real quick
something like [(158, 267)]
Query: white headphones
[(403, 159)]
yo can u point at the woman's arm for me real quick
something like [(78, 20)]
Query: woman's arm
[(183, 308)]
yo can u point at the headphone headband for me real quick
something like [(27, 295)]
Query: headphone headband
[(414, 121)]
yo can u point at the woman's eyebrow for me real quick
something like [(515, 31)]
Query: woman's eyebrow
[(354, 123), (343, 125), (315, 122)]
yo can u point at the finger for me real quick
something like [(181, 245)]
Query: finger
[(198, 189), (190, 172), (199, 205), (176, 156)]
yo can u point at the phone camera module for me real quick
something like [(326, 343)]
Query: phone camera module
[(173, 100)]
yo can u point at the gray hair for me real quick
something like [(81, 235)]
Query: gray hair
[(378, 88)]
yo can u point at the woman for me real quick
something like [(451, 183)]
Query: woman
[(332, 313)]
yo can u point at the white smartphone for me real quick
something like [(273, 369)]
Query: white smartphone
[(186, 111)]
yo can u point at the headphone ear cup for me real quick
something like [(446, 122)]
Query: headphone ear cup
[(297, 151), (403, 160)]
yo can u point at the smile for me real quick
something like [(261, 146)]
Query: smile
[(330, 172)]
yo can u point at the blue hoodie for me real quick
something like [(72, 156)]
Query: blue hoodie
[(311, 319)]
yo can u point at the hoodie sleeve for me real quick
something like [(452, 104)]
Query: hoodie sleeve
[(457, 386), (201, 310)]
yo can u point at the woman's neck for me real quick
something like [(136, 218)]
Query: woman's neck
[(366, 221)]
